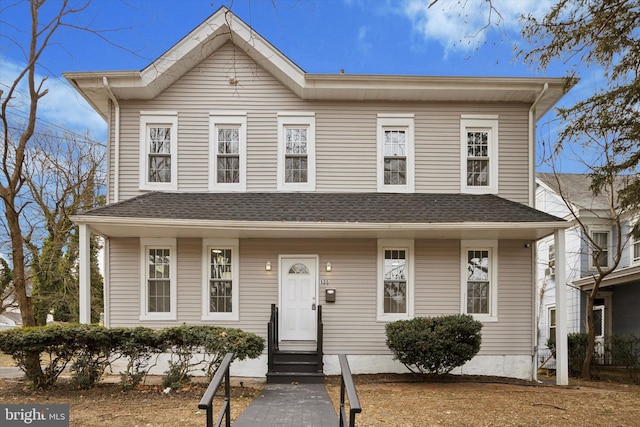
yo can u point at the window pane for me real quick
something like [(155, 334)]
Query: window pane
[(221, 281), (228, 141), (477, 144), (395, 143), (295, 169), (159, 283), (395, 282), (159, 168), (159, 140), (636, 251), (600, 253), (296, 141), (477, 172), (478, 281), (228, 169), (395, 171)]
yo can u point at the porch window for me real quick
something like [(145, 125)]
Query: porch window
[(158, 150), (159, 283), (479, 154), (395, 289), (296, 152), (395, 152), (599, 253), (228, 151), (220, 287), (479, 285)]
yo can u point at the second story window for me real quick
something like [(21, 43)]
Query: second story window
[(599, 249), (228, 151), (479, 154), (395, 153), (158, 150), (296, 152), (551, 257), (635, 250)]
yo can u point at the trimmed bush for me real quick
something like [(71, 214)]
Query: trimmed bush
[(44, 352), (434, 344)]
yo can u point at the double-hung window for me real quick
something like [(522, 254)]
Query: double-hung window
[(395, 279), (221, 272), (228, 151), (599, 249), (479, 154), (158, 150), (551, 324), (296, 152), (158, 272), (480, 283), (395, 152), (635, 250)]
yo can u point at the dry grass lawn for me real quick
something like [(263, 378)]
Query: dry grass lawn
[(387, 400)]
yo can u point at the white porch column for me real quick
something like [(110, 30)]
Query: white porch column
[(562, 354), (84, 264)]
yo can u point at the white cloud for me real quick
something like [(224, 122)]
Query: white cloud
[(462, 24), (62, 106)]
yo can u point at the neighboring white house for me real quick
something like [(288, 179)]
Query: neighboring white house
[(237, 181), (616, 306)]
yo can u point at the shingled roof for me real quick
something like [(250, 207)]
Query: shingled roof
[(388, 208)]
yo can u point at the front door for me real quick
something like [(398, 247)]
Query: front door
[(298, 298)]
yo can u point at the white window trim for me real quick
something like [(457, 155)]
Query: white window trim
[(396, 121), (234, 119), (408, 246), (479, 122), (593, 230), (232, 244), (145, 245), (161, 118), (297, 118), (492, 247)]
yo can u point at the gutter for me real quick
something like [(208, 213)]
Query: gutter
[(532, 146), (116, 154)]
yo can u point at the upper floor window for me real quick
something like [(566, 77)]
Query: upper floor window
[(395, 152), (296, 152), (159, 279), (395, 279), (158, 150), (599, 249), (221, 272), (480, 279), (479, 154), (635, 249), (228, 151)]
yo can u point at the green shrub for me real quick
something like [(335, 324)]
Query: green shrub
[(220, 341), (93, 348), (436, 344), (138, 346)]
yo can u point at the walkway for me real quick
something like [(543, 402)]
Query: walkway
[(294, 405)]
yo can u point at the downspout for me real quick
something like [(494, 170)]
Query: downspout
[(116, 143), (534, 248), (532, 146)]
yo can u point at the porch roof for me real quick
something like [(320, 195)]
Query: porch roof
[(318, 214)]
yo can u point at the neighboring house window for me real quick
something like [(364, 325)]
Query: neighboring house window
[(296, 152), (479, 284), (158, 270), (158, 150), (228, 151), (551, 260), (479, 154), (551, 333), (395, 279), (599, 253), (221, 272), (395, 152), (635, 249)]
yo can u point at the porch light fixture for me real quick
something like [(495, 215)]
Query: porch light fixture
[(328, 266), (267, 266)]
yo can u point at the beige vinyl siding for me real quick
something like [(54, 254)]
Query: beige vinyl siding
[(350, 323), (346, 148), (124, 282), (513, 333)]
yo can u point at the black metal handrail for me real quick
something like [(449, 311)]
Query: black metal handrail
[(346, 384), (319, 339), (272, 336), (207, 399)]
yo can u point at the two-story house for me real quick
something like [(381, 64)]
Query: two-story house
[(238, 181), (616, 306)]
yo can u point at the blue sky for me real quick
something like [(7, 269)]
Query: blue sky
[(321, 36)]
